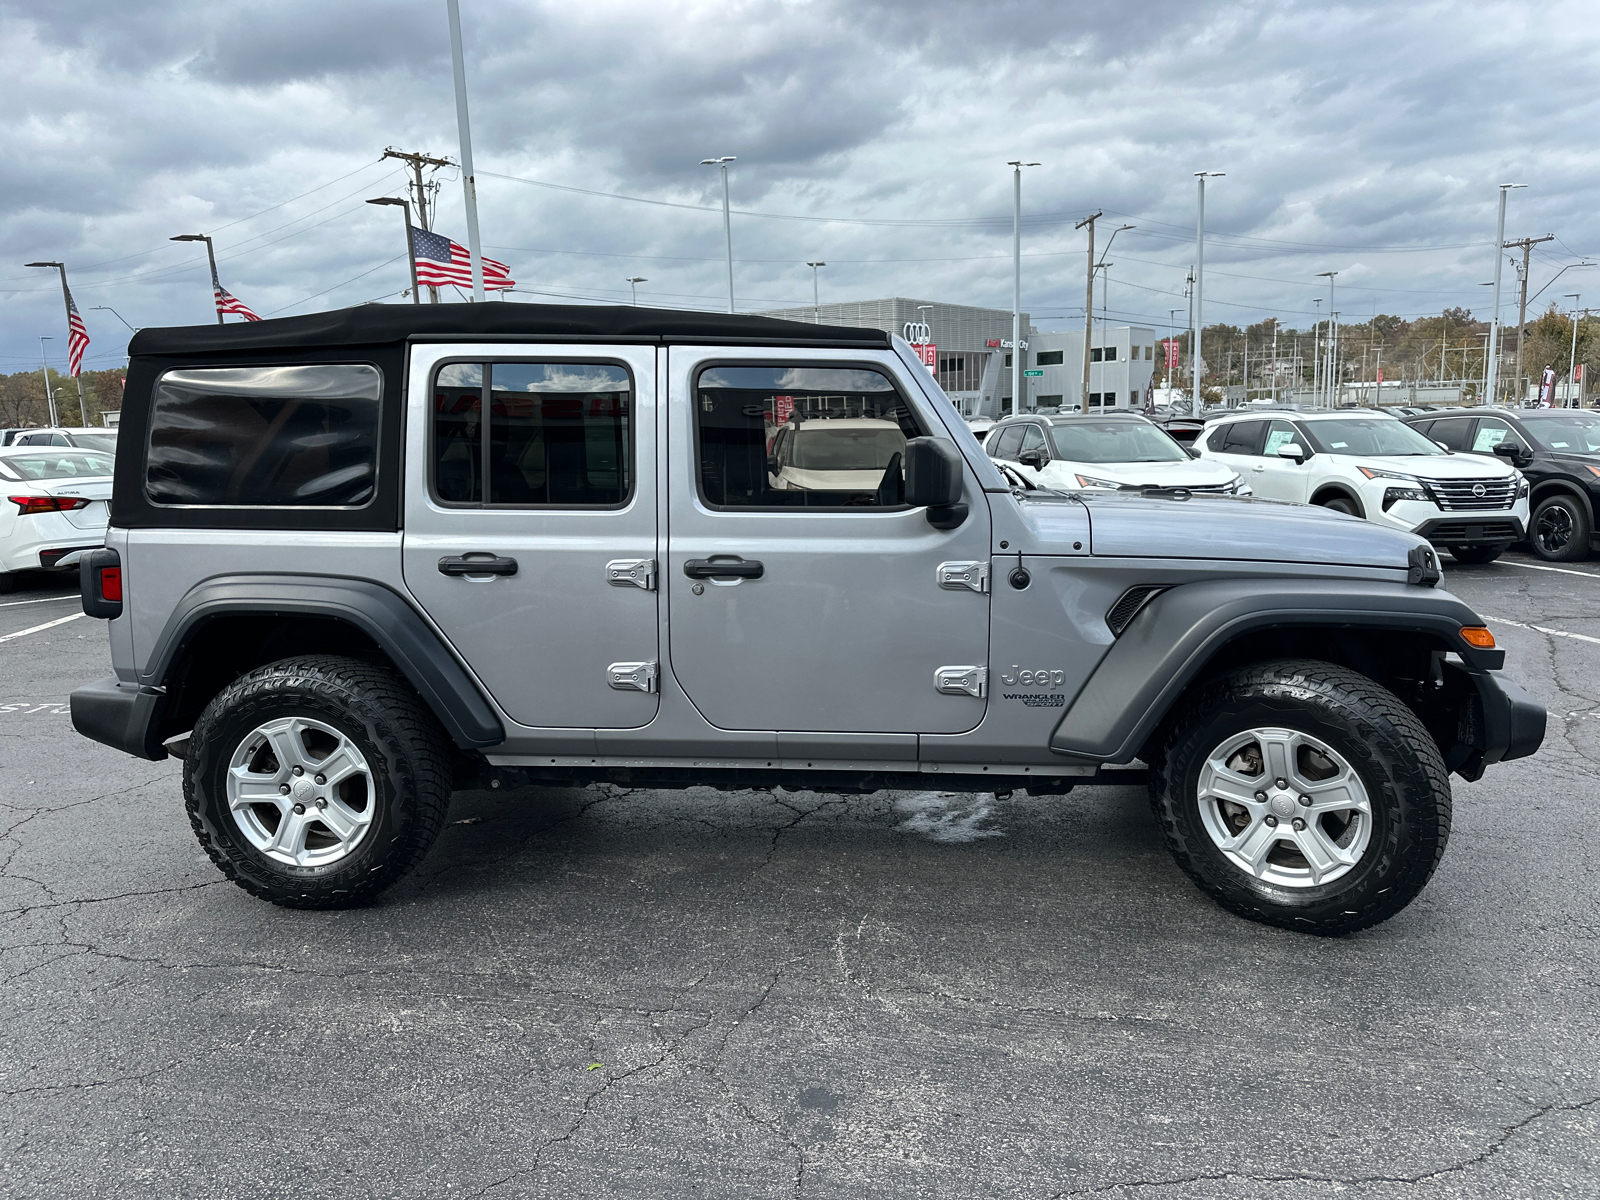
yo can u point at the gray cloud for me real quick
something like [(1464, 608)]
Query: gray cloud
[(1341, 128)]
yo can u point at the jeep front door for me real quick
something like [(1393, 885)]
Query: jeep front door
[(827, 605), (530, 534)]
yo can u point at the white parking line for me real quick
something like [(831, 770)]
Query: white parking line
[(35, 629), (1539, 567), (1582, 637), (45, 600)]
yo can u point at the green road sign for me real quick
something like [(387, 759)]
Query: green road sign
[(1033, 374)]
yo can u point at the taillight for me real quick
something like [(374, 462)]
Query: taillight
[(100, 581), (27, 505), (111, 583)]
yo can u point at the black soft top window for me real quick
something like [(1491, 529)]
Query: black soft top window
[(265, 436)]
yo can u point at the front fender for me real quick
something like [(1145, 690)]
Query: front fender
[(1167, 645)]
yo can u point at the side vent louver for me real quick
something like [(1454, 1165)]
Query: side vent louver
[(1129, 603)]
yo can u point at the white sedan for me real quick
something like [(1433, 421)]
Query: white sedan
[(1104, 452), (56, 502)]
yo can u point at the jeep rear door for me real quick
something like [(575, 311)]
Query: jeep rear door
[(817, 611), (530, 536)]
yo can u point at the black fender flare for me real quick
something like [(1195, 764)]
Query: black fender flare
[(379, 612), (1167, 645)]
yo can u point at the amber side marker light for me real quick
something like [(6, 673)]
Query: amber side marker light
[(1477, 635)]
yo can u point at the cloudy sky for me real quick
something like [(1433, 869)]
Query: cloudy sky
[(1363, 138)]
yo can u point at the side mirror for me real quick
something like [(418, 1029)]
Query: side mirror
[(1032, 458), (933, 481), (772, 464), (1442, 446), (1515, 451), (1292, 450), (1194, 451)]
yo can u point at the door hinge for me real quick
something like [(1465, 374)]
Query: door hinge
[(962, 681), (632, 677), (972, 576), (632, 572)]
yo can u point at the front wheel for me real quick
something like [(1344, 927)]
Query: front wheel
[(316, 782), (1560, 529), (1302, 794), (1339, 504), (1476, 555)]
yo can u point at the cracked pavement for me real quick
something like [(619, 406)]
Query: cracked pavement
[(615, 992)]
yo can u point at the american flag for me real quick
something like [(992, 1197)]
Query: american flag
[(227, 302), (441, 262), (77, 338)]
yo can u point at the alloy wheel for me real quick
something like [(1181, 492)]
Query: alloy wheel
[(300, 791), (1284, 807)]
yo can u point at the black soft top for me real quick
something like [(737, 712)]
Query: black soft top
[(381, 324)]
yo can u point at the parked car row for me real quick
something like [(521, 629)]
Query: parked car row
[(49, 435), (1471, 481), (56, 505)]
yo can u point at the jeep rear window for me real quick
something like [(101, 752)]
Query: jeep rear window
[(265, 437), (559, 434), (801, 436)]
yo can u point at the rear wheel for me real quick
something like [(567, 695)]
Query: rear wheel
[(8, 581), (1302, 794), (1475, 555), (316, 782), (1560, 529)]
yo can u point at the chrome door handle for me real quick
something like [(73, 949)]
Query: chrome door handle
[(477, 563), (723, 568)]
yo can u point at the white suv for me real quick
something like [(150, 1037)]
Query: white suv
[(1373, 465)]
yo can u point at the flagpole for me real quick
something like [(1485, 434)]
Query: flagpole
[(66, 300), (469, 185)]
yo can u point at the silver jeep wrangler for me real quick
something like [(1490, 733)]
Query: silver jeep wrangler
[(362, 558)]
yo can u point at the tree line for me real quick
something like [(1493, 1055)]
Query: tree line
[(22, 398), (1449, 346)]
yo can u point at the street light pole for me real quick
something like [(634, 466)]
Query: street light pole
[(44, 367), (816, 302), (469, 183), (1327, 374), (211, 257), (633, 287), (1200, 276), (1089, 324), (1491, 363), (1016, 166), (727, 220), (411, 249), (114, 313), (66, 299)]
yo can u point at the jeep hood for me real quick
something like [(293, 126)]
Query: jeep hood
[(1231, 528)]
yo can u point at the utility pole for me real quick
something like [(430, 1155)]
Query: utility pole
[(1316, 357), (417, 161), (1526, 245), (44, 366), (1188, 294), (1088, 304), (1491, 359), (1572, 361), (1200, 277)]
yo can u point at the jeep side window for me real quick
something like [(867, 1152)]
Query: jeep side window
[(1008, 443), (265, 437), (558, 434), (843, 437)]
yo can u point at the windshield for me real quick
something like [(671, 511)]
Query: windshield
[(1114, 442), (818, 448), (1369, 435), (58, 464), (1569, 433)]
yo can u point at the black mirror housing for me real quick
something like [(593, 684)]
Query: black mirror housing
[(933, 481), (1031, 458)]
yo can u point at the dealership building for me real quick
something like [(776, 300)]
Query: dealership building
[(974, 362)]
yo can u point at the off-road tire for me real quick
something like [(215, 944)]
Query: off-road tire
[(1545, 541), (1476, 555), (1392, 753), (406, 750)]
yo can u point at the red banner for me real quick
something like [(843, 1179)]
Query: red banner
[(929, 354), (1172, 352)]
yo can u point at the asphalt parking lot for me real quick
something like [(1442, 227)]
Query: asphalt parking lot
[(657, 994)]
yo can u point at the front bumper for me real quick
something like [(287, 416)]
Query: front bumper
[(1499, 722), (120, 715), (1489, 529)]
